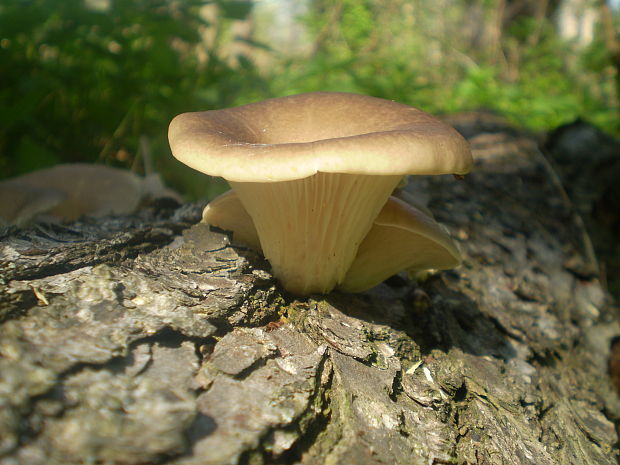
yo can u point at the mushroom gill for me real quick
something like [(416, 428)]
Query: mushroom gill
[(402, 237)]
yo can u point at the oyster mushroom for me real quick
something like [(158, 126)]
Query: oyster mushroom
[(314, 170), (402, 238), (226, 212), (66, 192)]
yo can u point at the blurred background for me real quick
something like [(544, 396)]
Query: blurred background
[(99, 80)]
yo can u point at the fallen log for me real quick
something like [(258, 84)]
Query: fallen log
[(152, 339)]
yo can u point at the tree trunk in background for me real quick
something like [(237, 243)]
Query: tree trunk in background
[(146, 339), (612, 42), (576, 20)]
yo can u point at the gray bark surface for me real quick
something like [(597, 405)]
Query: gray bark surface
[(152, 340)]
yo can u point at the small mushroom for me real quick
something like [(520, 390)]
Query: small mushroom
[(87, 188), (20, 203), (66, 192), (314, 170), (402, 237), (226, 212)]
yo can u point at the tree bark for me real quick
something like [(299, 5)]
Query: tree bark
[(150, 339)]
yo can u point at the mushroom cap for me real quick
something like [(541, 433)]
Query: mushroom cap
[(81, 189), (21, 202), (294, 137)]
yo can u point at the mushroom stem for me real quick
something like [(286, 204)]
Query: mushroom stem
[(310, 229)]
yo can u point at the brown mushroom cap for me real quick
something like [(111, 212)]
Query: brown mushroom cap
[(297, 136), (314, 170)]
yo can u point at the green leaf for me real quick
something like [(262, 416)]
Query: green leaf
[(235, 9)]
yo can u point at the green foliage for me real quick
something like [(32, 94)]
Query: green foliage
[(84, 80), (357, 23), (531, 76)]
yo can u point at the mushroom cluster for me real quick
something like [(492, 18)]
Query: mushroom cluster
[(312, 177)]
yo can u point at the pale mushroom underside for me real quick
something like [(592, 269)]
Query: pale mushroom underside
[(402, 237)]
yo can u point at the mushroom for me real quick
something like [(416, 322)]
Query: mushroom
[(88, 189), (314, 170), (68, 191), (21, 202), (226, 212), (402, 237)]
